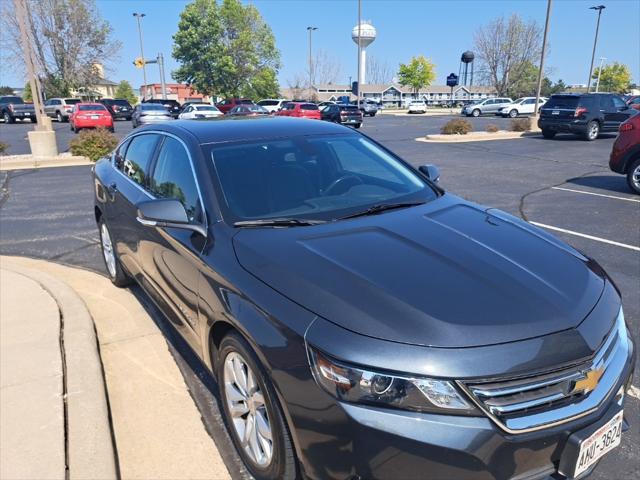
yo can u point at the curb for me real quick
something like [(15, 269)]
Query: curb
[(19, 162), (89, 439), (475, 137)]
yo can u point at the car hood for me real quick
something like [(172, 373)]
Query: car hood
[(445, 274)]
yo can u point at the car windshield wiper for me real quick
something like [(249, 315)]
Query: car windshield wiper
[(278, 222), (382, 208)]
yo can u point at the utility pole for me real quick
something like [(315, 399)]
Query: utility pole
[(599, 8), (310, 30), (163, 85), (42, 140), (359, 52), (602, 59), (139, 17), (541, 68)]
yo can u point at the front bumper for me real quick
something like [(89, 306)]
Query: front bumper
[(20, 114)]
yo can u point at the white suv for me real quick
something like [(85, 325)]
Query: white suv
[(417, 106), (272, 104), (522, 106)]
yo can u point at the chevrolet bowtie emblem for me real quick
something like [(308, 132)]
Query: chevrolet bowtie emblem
[(589, 382)]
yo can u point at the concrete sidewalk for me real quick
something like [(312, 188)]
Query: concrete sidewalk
[(157, 430)]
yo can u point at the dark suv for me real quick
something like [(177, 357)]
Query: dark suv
[(342, 113), (586, 114), (173, 106), (118, 107)]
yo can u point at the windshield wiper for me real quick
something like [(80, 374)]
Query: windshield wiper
[(382, 208), (278, 222)]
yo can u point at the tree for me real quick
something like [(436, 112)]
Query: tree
[(226, 49), (549, 88), (378, 72), (27, 96), (614, 78), (69, 37), (4, 90), (505, 47), (125, 91), (326, 69), (526, 83), (417, 74)]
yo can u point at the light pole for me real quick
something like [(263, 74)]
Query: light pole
[(310, 30), (542, 54), (602, 59), (139, 17), (599, 8)]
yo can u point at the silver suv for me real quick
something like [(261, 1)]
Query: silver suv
[(60, 108), (488, 106), (368, 107)]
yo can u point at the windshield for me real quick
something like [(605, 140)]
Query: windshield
[(311, 177), (519, 101)]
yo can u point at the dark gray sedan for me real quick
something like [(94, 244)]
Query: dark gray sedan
[(362, 322), (149, 113)]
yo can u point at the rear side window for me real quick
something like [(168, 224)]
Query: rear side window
[(244, 101), (173, 178), (309, 106), (138, 158), (618, 102), (562, 101)]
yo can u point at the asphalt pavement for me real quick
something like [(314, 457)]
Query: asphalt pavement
[(564, 185)]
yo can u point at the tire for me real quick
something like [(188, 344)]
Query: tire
[(513, 113), (8, 118), (59, 117), (75, 130), (475, 113), (593, 130), (34, 119), (633, 176), (116, 274), (237, 359), (128, 118), (357, 125), (112, 129), (546, 133)]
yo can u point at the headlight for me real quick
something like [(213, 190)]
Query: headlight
[(357, 385)]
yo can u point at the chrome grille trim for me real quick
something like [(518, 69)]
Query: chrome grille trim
[(525, 404)]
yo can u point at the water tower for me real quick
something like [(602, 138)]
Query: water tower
[(463, 73), (367, 36)]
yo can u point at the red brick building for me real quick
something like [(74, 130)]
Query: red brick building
[(175, 91)]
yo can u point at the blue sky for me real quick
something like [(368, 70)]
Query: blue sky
[(438, 29)]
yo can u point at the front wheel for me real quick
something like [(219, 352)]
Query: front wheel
[(116, 274), (633, 176), (59, 117), (476, 112), (8, 118), (252, 413), (357, 125), (513, 113), (593, 130)]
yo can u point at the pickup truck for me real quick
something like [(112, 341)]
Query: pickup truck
[(12, 107)]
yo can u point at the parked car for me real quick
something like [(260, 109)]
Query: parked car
[(225, 105), (145, 113), (625, 154), (361, 321), (341, 113), (369, 107), (522, 106), (634, 101), (300, 110), (488, 106), (172, 106), (118, 107), (60, 108), (272, 104), (90, 115), (12, 108), (200, 111), (417, 106), (586, 114), (248, 111)]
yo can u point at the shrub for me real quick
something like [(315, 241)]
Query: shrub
[(457, 126), (491, 128), (3, 147), (93, 144), (520, 124)]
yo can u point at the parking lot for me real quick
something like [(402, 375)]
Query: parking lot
[(562, 185)]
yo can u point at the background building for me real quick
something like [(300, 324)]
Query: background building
[(175, 91)]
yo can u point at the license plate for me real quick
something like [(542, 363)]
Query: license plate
[(555, 112), (94, 117), (605, 439)]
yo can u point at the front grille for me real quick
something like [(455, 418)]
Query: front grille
[(530, 403)]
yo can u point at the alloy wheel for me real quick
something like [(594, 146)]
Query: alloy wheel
[(513, 113), (107, 250), (594, 129), (59, 117), (247, 408), (476, 113), (635, 178)]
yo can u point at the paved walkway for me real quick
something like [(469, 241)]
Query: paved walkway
[(157, 429)]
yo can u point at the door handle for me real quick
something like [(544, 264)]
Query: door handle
[(112, 188)]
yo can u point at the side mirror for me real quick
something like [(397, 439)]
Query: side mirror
[(169, 213), (431, 172)]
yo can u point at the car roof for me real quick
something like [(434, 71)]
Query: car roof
[(232, 130)]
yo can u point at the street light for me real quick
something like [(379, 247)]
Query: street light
[(599, 8), (310, 30), (602, 59), (139, 17)]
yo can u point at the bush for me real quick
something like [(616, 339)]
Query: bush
[(3, 147), (457, 126), (520, 124), (491, 128), (93, 144)]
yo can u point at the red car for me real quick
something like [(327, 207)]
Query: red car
[(634, 102), (625, 155), (90, 115), (226, 105), (300, 110)]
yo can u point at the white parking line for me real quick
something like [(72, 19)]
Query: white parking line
[(596, 194), (584, 235)]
